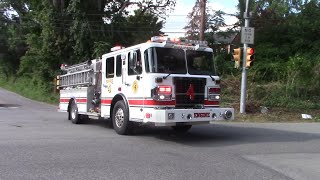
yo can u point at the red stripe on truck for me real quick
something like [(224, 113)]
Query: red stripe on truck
[(106, 101), (214, 103), (64, 100), (143, 102), (78, 100), (150, 102)]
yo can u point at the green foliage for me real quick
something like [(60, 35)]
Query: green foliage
[(44, 34), (303, 78), (274, 95), (293, 84), (31, 88), (286, 72), (143, 26), (81, 34), (100, 48), (224, 65)]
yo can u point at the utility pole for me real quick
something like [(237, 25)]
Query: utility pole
[(203, 18), (246, 17)]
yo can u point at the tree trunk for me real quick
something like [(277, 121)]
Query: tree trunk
[(203, 18)]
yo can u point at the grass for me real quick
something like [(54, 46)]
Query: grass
[(279, 115), (281, 108), (31, 89)]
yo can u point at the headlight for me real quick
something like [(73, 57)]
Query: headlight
[(214, 97), (227, 114), (170, 116), (213, 93), (214, 116)]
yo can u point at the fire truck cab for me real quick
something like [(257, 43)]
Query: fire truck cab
[(164, 81)]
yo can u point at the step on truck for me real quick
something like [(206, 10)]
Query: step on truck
[(165, 82)]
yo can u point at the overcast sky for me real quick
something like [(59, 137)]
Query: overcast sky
[(178, 19)]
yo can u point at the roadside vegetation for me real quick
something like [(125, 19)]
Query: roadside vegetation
[(29, 88), (285, 77), (284, 81)]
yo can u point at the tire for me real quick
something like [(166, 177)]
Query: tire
[(120, 119), (73, 113), (181, 128)]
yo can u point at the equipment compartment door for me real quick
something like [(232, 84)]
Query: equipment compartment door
[(108, 87)]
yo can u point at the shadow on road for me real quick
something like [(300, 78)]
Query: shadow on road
[(9, 105), (98, 122), (216, 135)]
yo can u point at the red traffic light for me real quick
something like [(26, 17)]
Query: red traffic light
[(250, 51), (250, 57)]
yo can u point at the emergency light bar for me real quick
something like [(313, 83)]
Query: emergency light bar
[(171, 41), (196, 42), (116, 48), (159, 38)]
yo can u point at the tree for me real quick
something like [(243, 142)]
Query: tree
[(214, 21), (159, 7), (47, 33), (142, 26), (193, 27), (13, 46)]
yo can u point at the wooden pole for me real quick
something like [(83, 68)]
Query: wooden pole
[(203, 18)]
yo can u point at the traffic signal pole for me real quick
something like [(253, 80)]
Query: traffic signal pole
[(244, 62)]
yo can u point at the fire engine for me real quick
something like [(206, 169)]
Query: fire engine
[(164, 82)]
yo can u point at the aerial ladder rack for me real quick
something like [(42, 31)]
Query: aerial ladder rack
[(82, 74)]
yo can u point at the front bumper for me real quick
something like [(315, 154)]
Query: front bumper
[(172, 117)]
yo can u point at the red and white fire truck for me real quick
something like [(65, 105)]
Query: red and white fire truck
[(164, 81)]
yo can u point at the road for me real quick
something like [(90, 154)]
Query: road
[(37, 142)]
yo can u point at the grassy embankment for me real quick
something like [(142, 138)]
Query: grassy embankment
[(30, 89), (269, 97)]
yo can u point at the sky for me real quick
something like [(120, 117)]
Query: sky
[(178, 18)]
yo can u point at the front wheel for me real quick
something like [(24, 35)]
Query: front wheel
[(181, 128), (120, 119)]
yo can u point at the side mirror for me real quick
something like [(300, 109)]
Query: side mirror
[(123, 57)]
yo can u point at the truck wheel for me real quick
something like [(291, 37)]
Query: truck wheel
[(120, 119), (181, 128), (73, 113)]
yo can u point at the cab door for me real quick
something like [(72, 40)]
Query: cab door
[(133, 86)]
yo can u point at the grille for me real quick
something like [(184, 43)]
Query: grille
[(182, 85)]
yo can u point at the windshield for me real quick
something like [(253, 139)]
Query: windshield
[(165, 60), (200, 62), (172, 61)]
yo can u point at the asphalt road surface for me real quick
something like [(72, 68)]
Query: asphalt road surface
[(37, 142)]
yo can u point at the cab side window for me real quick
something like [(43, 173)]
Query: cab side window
[(135, 63), (118, 66), (110, 67)]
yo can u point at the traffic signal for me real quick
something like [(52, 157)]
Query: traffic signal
[(250, 57), (236, 56)]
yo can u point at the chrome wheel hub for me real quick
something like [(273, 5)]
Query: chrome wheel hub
[(119, 118), (73, 113)]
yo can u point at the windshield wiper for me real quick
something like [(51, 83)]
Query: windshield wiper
[(212, 78), (165, 77)]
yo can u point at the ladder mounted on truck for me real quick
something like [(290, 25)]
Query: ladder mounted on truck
[(81, 74)]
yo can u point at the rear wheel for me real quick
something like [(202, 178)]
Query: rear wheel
[(181, 128), (73, 113), (120, 119)]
